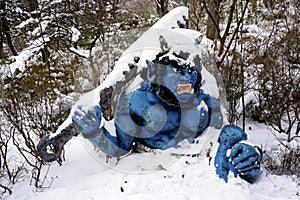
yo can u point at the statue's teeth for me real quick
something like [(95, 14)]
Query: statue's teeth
[(184, 89)]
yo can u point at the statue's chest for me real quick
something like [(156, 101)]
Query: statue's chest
[(162, 119), (147, 110), (190, 119)]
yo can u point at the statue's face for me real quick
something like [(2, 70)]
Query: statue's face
[(181, 80), (176, 74)]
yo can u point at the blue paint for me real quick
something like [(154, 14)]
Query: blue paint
[(155, 114), (243, 160)]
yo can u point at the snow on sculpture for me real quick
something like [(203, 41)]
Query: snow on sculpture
[(157, 96)]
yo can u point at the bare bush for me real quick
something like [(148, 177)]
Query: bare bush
[(283, 159), (32, 105)]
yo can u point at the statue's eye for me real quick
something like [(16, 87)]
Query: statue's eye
[(166, 59), (179, 62), (175, 69), (191, 69)]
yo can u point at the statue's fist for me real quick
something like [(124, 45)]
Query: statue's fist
[(245, 159), (87, 122)]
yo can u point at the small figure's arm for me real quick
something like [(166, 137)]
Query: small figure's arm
[(243, 159)]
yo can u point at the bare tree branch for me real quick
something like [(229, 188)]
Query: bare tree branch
[(233, 35)]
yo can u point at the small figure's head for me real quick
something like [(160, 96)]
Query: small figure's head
[(230, 135), (176, 74)]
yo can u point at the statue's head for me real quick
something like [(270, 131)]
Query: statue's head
[(176, 74), (231, 134)]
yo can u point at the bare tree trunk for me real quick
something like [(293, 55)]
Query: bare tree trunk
[(185, 2), (5, 29), (243, 89), (32, 5), (162, 7), (212, 8), (8, 37), (1, 41), (115, 6)]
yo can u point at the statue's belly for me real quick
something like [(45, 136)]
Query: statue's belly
[(178, 126)]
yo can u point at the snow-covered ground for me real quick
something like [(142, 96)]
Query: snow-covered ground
[(82, 177)]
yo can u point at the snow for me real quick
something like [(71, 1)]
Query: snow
[(169, 21), (83, 53), (24, 23), (23, 57), (41, 28), (85, 175), (252, 96), (75, 34)]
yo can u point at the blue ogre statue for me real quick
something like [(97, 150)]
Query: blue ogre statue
[(168, 106)]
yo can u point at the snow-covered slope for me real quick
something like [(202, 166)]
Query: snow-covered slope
[(82, 177)]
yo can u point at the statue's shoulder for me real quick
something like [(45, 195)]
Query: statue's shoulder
[(146, 93)]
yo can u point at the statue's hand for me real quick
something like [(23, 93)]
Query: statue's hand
[(87, 122), (50, 148), (245, 159)]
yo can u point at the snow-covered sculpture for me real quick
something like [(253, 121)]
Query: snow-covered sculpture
[(158, 95)]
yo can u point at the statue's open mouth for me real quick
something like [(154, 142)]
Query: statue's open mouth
[(184, 89)]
